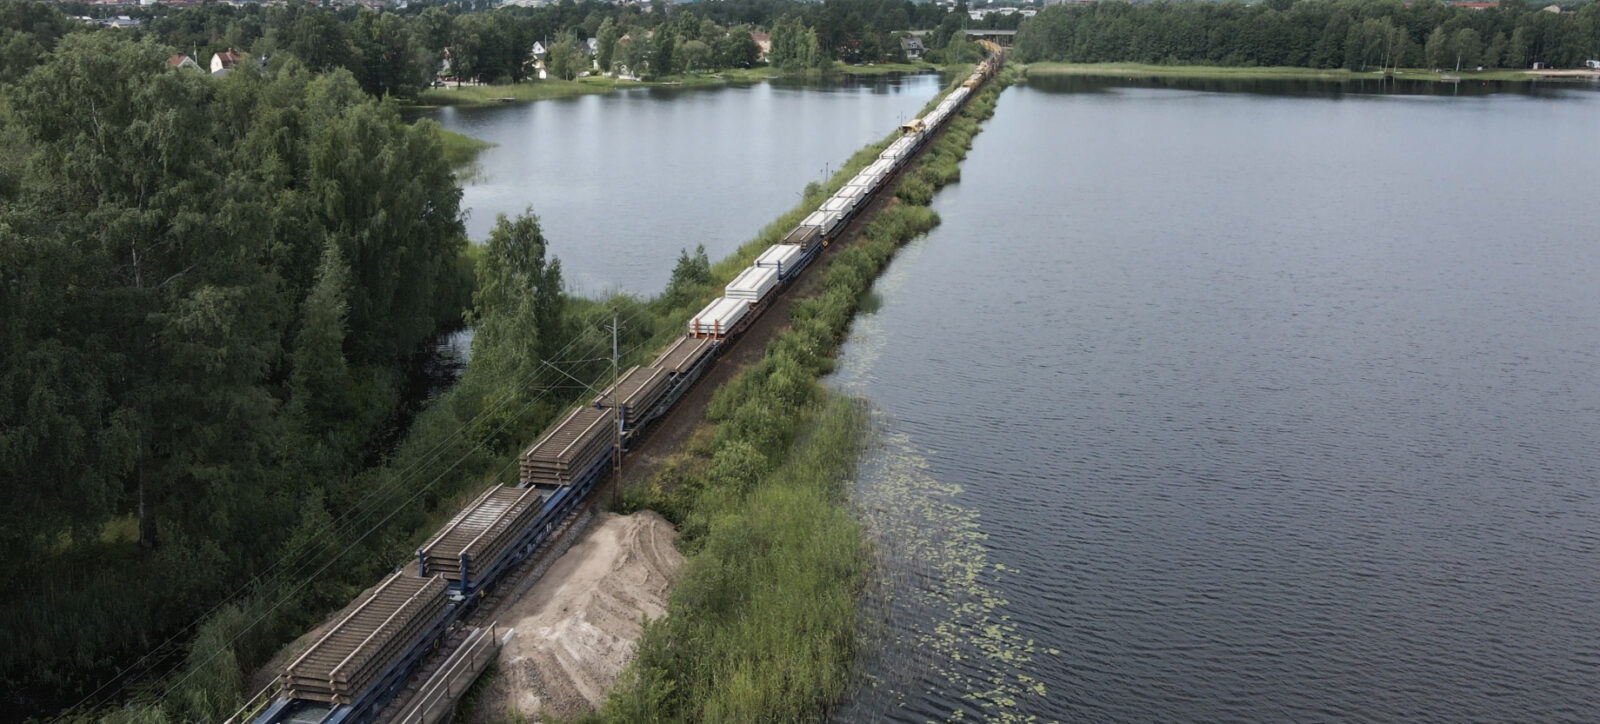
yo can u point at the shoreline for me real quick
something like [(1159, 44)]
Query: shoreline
[(467, 96), (1214, 72), (756, 490)]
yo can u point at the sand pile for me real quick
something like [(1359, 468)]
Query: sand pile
[(577, 627)]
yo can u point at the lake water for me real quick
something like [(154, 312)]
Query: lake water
[(1279, 405), (622, 182)]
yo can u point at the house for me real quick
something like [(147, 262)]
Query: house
[(539, 51), (182, 61), (912, 47), (762, 41), (222, 62)]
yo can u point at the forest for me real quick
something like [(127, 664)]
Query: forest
[(1354, 34)]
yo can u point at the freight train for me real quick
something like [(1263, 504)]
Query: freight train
[(352, 672)]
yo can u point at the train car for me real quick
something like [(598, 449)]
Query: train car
[(487, 538), (786, 259), (636, 393), (573, 452), (721, 319), (684, 362), (827, 224), (755, 285), (351, 672), (847, 199), (901, 148)]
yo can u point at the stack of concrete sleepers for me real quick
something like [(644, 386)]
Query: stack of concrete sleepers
[(880, 168), (363, 646), (683, 355), (826, 221), (570, 448), (785, 258), (719, 318), (753, 284), (841, 203), (636, 392), (898, 149), (479, 534)]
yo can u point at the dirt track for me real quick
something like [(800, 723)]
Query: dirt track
[(577, 631)]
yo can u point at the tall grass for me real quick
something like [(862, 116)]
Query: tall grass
[(761, 627)]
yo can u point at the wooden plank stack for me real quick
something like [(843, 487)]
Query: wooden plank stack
[(569, 448), (381, 629), (482, 532), (637, 391)]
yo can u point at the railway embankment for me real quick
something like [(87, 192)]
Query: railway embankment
[(761, 624)]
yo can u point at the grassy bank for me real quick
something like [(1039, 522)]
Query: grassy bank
[(762, 625), (1139, 70), (460, 149)]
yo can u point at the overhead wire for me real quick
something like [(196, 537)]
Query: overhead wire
[(347, 521)]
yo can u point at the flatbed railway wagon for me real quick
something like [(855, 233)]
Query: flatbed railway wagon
[(684, 362), (827, 223), (755, 285), (786, 259), (572, 453), (722, 319), (807, 234), (486, 539), (637, 393), (348, 674)]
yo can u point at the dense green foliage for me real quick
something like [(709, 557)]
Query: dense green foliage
[(401, 52), (761, 626), (1352, 34), (210, 294)]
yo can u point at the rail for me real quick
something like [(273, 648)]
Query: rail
[(437, 698)]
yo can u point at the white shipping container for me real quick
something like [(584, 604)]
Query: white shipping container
[(718, 317), (753, 284), (782, 257), (958, 94)]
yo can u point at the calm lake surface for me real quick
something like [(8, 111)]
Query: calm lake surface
[(623, 182), (1244, 406)]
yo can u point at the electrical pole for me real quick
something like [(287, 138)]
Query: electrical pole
[(616, 460)]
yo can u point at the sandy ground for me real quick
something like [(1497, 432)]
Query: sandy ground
[(578, 627)]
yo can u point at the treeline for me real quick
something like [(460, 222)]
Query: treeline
[(1353, 34), (401, 52)]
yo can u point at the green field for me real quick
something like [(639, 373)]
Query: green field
[(1140, 70)]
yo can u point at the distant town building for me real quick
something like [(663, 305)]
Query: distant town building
[(762, 41), (222, 62), (912, 47)]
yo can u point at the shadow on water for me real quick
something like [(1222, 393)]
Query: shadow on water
[(1304, 87)]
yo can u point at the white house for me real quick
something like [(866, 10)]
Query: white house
[(222, 62)]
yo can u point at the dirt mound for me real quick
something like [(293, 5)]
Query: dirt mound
[(578, 626)]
